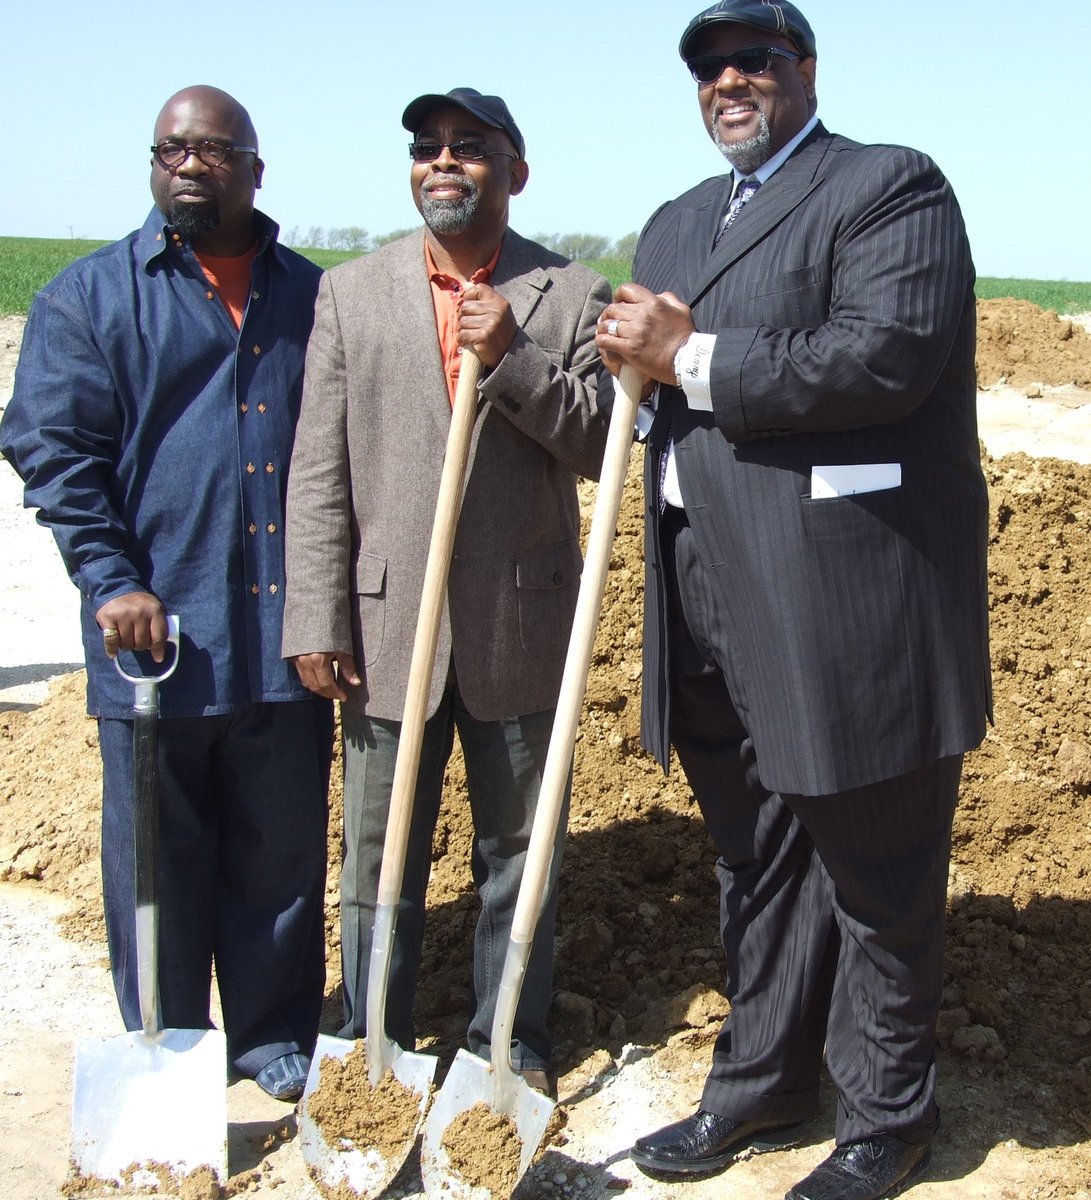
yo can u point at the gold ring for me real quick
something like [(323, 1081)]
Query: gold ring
[(110, 633)]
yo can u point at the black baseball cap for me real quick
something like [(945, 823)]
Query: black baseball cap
[(490, 109), (780, 17)]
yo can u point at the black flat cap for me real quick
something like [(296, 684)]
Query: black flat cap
[(782, 18), (490, 109)]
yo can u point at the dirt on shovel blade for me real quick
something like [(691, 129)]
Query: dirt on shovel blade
[(346, 1108), (484, 1148), (146, 1179)]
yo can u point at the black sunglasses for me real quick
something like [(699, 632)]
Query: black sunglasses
[(756, 60), (461, 151), (170, 153)]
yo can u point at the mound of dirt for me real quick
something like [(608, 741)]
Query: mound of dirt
[(1019, 343), (50, 794)]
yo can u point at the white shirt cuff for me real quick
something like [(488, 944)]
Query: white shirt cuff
[(693, 370)]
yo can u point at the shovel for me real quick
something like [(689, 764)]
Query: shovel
[(155, 1097), (472, 1080), (365, 1170)]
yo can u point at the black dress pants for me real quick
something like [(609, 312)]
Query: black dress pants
[(832, 907)]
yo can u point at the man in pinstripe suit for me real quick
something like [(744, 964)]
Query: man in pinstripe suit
[(816, 644)]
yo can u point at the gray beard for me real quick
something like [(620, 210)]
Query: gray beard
[(449, 216), (746, 156), (192, 220)]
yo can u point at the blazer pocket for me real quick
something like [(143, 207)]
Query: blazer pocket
[(858, 519), (789, 281), (546, 587), (369, 608)]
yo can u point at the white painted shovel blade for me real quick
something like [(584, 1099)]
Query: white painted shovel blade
[(471, 1081), (151, 1098), (364, 1170)]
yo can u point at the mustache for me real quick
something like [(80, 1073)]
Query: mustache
[(190, 190), (723, 105), (446, 181)]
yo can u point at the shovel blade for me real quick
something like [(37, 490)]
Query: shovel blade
[(472, 1080), (364, 1170), (151, 1098)]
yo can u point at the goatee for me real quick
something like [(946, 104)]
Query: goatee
[(453, 215), (192, 220), (746, 156)]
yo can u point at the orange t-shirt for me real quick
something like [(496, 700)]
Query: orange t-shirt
[(446, 297), (230, 279)]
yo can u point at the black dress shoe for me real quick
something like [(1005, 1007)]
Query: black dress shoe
[(706, 1142), (284, 1078), (873, 1169)]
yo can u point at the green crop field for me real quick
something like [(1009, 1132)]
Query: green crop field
[(1059, 295), (28, 264)]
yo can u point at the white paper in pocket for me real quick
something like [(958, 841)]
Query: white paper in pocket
[(853, 478)]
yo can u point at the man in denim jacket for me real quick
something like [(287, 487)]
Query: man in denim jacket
[(152, 422)]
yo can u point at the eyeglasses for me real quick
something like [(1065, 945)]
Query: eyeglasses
[(756, 60), (424, 152), (170, 153)]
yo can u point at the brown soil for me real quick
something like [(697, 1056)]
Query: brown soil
[(346, 1108), (148, 1179), (484, 1148), (638, 959), (1019, 343)]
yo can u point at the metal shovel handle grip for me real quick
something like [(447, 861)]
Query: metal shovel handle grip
[(173, 635)]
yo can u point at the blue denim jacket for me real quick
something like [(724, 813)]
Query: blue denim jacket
[(155, 439)]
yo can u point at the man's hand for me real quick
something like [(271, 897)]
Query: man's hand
[(485, 323), (134, 621), (649, 331), (317, 673)]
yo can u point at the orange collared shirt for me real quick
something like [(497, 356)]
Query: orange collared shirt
[(446, 297), (230, 280)]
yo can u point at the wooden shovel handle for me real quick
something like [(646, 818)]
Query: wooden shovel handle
[(433, 596), (581, 643)]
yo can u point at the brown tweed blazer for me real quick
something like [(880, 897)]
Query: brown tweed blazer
[(365, 478)]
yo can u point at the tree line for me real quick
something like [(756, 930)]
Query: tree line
[(581, 247)]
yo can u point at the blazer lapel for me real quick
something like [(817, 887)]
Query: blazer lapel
[(785, 191), (413, 329), (694, 244), (518, 278)]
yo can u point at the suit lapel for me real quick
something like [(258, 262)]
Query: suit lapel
[(694, 244), (785, 191), (519, 279), (413, 330)]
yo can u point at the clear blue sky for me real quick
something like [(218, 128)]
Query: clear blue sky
[(993, 91)]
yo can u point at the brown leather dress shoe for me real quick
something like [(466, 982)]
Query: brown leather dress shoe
[(541, 1081), (875, 1168), (707, 1142)]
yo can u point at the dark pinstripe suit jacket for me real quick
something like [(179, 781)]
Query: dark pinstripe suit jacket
[(843, 304)]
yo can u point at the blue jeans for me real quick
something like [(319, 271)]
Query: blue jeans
[(242, 872), (504, 762)]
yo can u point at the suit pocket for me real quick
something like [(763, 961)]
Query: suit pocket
[(546, 586), (369, 609), (777, 284)]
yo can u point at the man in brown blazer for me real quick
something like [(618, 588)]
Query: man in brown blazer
[(380, 377)]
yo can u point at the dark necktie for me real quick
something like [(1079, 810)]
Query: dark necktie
[(746, 189)]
